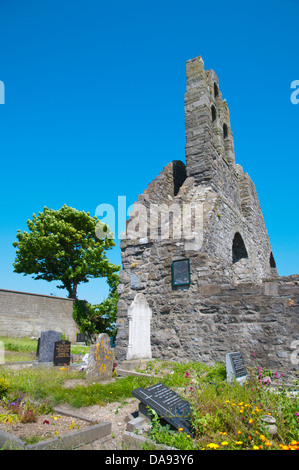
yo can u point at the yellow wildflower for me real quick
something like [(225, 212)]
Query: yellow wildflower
[(213, 446), (222, 433), (284, 447), (268, 444), (239, 432), (180, 429), (250, 421), (239, 443), (255, 448), (262, 438), (224, 443)]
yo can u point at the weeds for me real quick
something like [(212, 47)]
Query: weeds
[(224, 415)]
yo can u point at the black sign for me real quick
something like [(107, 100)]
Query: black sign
[(167, 404), (62, 353), (181, 272), (238, 364)]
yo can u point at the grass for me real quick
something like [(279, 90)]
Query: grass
[(225, 415), (24, 349)]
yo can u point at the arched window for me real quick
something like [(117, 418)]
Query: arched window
[(239, 248), (225, 131), (272, 261), (216, 91), (214, 113)]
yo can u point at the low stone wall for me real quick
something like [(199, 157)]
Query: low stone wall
[(261, 321), (24, 314)]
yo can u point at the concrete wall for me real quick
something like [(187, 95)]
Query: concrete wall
[(26, 315)]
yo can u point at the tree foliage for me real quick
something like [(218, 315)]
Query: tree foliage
[(62, 245), (100, 318)]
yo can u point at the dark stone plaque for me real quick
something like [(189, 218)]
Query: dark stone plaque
[(167, 404), (62, 353), (235, 365), (47, 345), (81, 338), (181, 272)]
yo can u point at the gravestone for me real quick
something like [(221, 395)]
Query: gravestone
[(47, 345), (139, 315), (37, 347), (167, 404), (81, 338), (100, 360), (62, 353), (235, 369)]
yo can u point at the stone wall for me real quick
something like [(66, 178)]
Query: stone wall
[(26, 315), (261, 321)]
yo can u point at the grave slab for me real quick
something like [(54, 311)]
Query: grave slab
[(167, 404)]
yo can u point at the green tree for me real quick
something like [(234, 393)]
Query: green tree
[(62, 245), (100, 318)]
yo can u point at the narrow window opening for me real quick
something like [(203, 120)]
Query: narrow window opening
[(239, 248), (272, 261), (216, 91), (214, 113), (225, 131)]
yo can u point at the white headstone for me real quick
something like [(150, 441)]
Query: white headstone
[(139, 315)]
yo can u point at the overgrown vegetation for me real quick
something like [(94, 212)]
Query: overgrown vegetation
[(224, 416)]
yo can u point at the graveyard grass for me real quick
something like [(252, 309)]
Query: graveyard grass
[(225, 416)]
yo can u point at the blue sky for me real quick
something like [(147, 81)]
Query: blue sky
[(94, 107)]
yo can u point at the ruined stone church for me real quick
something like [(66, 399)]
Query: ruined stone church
[(197, 294)]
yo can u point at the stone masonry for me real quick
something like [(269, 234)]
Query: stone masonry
[(235, 299)]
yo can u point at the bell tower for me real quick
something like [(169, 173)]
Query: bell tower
[(209, 139)]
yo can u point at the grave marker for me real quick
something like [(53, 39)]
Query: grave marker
[(100, 359), (47, 345), (62, 353), (139, 315), (167, 404), (81, 338), (235, 369)]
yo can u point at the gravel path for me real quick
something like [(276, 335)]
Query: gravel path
[(116, 413)]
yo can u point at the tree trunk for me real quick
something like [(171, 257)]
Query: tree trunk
[(73, 292)]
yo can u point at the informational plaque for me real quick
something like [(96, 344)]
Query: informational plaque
[(62, 353), (167, 404), (235, 368), (181, 272)]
